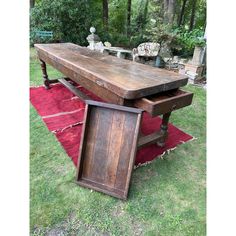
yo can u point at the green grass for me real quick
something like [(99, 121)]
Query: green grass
[(167, 197)]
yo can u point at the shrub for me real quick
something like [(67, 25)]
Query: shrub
[(180, 41), (69, 20), (189, 39)]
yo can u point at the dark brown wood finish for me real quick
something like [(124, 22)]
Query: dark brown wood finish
[(110, 135), (116, 81), (126, 79), (164, 129), (165, 102), (158, 137), (149, 139), (74, 90), (108, 148), (45, 75), (101, 92)]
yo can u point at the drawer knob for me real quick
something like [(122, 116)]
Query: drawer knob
[(173, 107)]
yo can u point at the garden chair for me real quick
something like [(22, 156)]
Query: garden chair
[(146, 50)]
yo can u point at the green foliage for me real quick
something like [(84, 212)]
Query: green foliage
[(118, 22), (200, 13), (200, 18), (117, 17), (179, 40), (120, 40), (69, 20), (189, 39)]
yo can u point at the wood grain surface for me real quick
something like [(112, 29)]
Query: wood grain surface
[(108, 148), (126, 79), (164, 102)]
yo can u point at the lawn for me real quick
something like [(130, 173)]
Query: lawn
[(166, 197)]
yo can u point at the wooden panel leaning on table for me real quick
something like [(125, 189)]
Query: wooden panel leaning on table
[(108, 147), (118, 81)]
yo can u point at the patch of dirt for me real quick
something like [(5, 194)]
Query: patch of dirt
[(137, 228), (118, 211), (56, 232), (72, 227)]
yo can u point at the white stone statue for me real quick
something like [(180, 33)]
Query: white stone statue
[(92, 39)]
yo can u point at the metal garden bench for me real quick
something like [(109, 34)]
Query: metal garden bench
[(44, 34)]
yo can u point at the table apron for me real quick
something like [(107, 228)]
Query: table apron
[(99, 91)]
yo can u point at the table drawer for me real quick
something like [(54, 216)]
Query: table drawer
[(162, 103)]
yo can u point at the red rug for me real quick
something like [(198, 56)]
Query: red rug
[(63, 114)]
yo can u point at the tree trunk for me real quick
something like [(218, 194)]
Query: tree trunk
[(128, 17), (192, 15), (182, 13), (144, 16), (171, 10), (166, 4), (32, 3), (145, 11), (105, 14), (169, 7)]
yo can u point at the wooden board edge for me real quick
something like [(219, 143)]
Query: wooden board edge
[(113, 106), (86, 184), (133, 153), (79, 163), (79, 179)]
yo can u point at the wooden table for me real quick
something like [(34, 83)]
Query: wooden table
[(118, 81)]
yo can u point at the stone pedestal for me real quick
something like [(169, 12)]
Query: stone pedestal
[(194, 72), (198, 56), (194, 68), (92, 39)]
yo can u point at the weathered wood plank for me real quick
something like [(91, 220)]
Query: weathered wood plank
[(100, 91), (125, 151), (89, 133), (129, 80), (164, 102), (117, 131), (149, 139), (101, 145), (108, 149), (74, 90)]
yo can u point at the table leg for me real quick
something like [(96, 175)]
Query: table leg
[(164, 129), (45, 75)]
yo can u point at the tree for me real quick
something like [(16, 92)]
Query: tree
[(141, 19), (145, 15), (32, 3), (194, 2), (182, 13), (169, 7), (105, 14), (128, 16), (69, 20)]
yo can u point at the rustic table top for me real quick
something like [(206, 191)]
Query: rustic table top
[(125, 78)]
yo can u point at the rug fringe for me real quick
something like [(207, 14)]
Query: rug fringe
[(36, 86), (162, 155), (67, 127), (39, 86), (192, 139), (62, 113)]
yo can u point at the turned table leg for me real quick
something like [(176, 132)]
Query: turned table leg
[(45, 75), (164, 129)]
